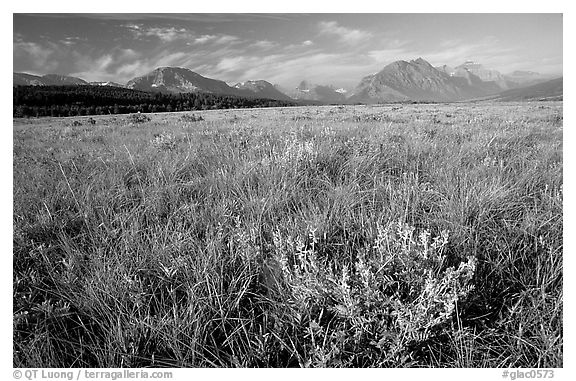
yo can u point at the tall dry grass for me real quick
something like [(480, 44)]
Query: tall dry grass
[(425, 235)]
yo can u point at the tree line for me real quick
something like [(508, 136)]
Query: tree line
[(57, 101)]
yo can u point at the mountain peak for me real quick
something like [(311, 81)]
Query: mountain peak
[(178, 80), (486, 75), (402, 65), (421, 61), (309, 91), (260, 83), (305, 85), (175, 69), (419, 80), (398, 63), (262, 89), (165, 68), (470, 64)]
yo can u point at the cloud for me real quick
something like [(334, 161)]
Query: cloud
[(208, 18), (346, 35), (226, 39), (111, 66), (204, 38), (299, 46), (288, 69), (34, 56), (71, 41), (37, 52), (549, 65), (165, 34), (488, 51), (131, 70), (121, 65), (173, 59), (386, 56), (264, 44), (94, 68), (233, 63), (18, 37), (216, 39)]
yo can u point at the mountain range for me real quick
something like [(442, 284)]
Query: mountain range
[(309, 91), (180, 80), (415, 80), (24, 79), (263, 89)]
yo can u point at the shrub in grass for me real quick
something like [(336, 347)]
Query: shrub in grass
[(191, 118), (138, 118), (397, 294), (165, 142)]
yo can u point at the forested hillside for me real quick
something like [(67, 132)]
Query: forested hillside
[(100, 100)]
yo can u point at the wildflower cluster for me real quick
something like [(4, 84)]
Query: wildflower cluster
[(297, 152), (138, 118), (396, 294), (165, 142), (191, 118)]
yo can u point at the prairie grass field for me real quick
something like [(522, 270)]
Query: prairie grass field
[(425, 235)]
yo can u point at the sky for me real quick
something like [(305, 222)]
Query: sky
[(328, 49)]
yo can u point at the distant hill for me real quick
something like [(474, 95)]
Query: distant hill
[(24, 79), (417, 80), (60, 80), (484, 74), (523, 78), (107, 83), (180, 80), (549, 90), (307, 91), (516, 79), (262, 89)]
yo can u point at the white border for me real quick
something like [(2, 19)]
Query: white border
[(297, 6)]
